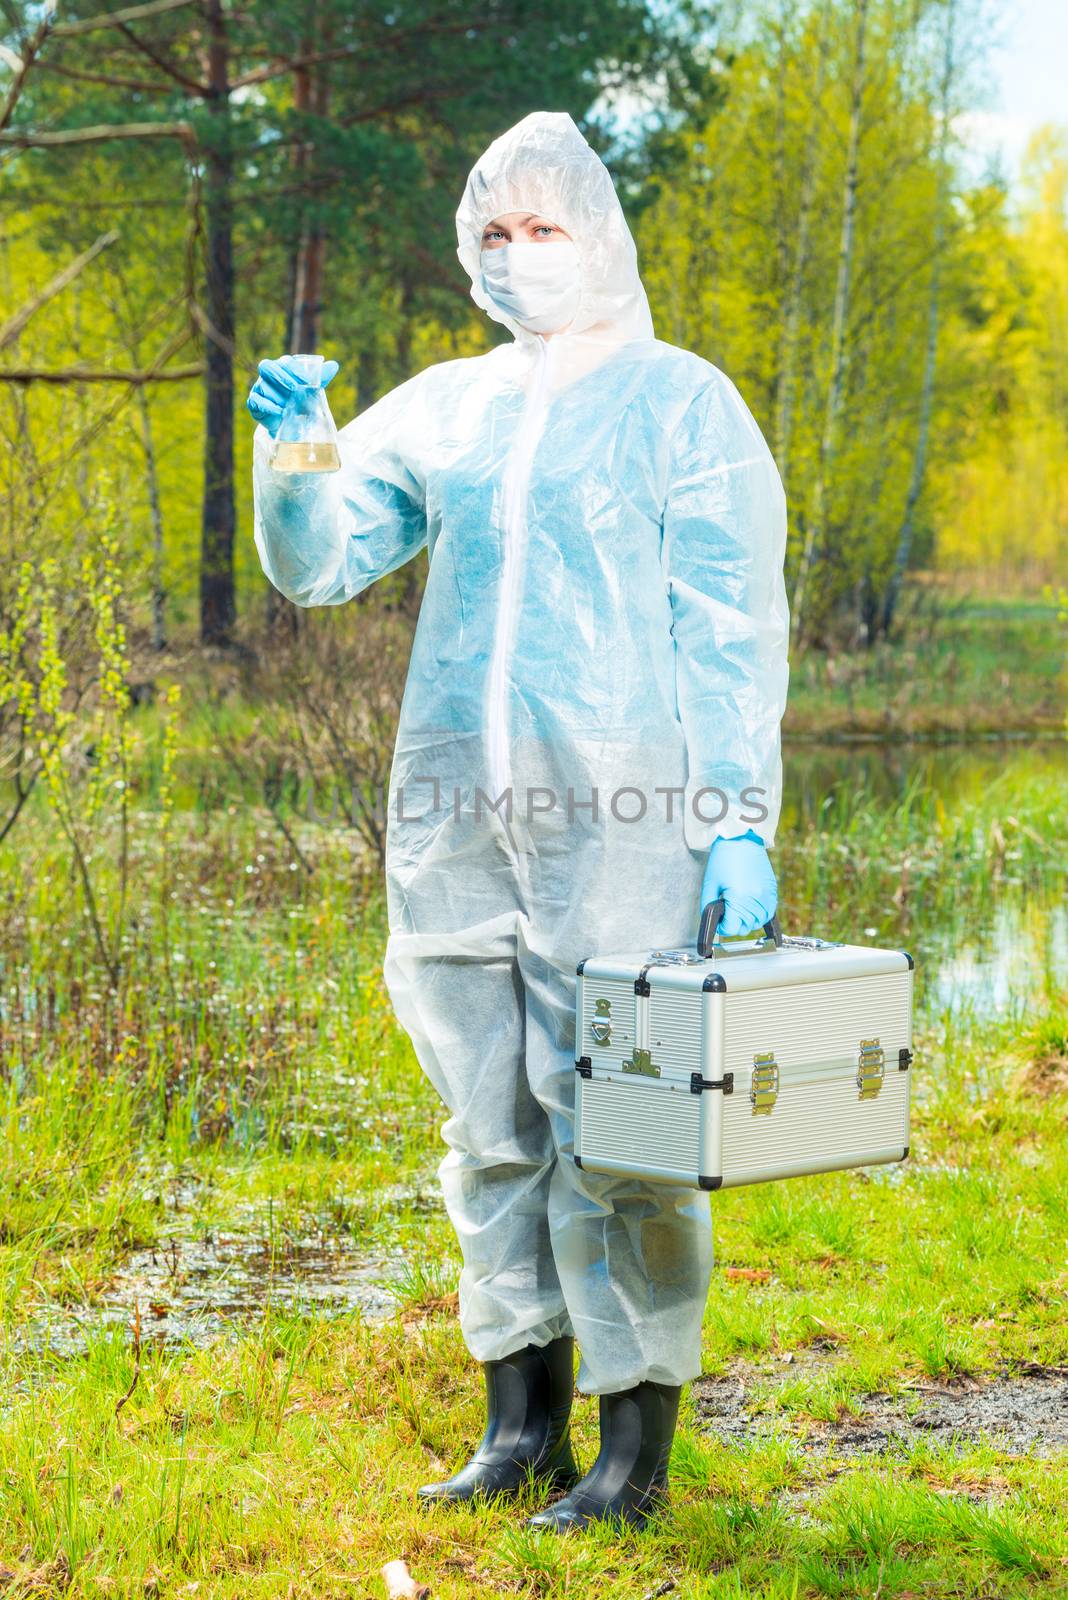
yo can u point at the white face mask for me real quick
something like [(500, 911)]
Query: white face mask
[(538, 285)]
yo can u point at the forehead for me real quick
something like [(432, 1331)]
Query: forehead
[(517, 219)]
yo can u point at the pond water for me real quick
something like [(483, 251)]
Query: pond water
[(192, 1290), (977, 955), (201, 1283), (958, 770)]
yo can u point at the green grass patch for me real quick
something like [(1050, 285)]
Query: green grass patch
[(958, 668), (246, 1077)]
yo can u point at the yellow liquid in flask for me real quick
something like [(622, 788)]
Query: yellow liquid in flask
[(301, 455)]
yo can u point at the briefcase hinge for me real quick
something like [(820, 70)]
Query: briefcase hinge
[(584, 1067), (904, 1060), (871, 1068), (698, 1084), (764, 1081)]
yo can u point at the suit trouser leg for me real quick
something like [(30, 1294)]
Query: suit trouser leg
[(466, 1018), (634, 1259)]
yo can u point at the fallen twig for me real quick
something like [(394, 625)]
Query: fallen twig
[(137, 1358), (400, 1585)]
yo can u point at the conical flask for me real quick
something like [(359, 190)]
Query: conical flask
[(306, 440)]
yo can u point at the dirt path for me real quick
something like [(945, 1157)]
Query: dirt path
[(1025, 1412)]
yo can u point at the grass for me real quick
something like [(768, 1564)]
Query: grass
[(249, 1077), (286, 1463), (996, 667)]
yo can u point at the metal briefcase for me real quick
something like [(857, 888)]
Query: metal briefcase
[(791, 1056)]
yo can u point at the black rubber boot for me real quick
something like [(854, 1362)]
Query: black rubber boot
[(628, 1481), (528, 1404)]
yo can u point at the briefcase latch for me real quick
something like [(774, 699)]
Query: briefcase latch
[(601, 1025), (764, 1082), (871, 1068)]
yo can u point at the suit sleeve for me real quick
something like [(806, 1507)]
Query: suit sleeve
[(324, 537), (724, 544)]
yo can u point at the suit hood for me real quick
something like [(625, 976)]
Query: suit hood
[(545, 165)]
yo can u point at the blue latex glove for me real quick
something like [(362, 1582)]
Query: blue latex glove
[(275, 384), (739, 873)]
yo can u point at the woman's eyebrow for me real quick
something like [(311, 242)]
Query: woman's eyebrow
[(521, 223)]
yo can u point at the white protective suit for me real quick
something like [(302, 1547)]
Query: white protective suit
[(602, 637)]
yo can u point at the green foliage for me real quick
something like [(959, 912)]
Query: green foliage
[(98, 801), (743, 252), (352, 126), (738, 186), (1002, 498)]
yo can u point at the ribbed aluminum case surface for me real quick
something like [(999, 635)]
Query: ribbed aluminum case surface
[(743, 1068)]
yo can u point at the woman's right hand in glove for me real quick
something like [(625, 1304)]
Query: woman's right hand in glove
[(275, 384)]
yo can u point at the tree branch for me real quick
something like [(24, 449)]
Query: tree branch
[(391, 38), (28, 139), (72, 447), (24, 199), (11, 329), (32, 46), (422, 96), (140, 85), (99, 374), (209, 330), (165, 66), (115, 19)]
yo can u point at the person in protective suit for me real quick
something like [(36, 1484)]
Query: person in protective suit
[(588, 750)]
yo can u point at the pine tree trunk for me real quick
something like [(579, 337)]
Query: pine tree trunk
[(217, 604), (310, 94)]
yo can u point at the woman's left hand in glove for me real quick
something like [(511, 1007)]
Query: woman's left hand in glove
[(739, 873)]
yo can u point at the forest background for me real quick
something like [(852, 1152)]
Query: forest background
[(188, 186)]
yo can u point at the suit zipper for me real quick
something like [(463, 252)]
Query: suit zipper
[(514, 489)]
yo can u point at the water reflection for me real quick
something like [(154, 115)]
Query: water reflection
[(1020, 961), (1002, 958), (954, 771), (201, 1283), (197, 1290)]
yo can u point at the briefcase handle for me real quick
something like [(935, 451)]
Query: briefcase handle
[(712, 916)]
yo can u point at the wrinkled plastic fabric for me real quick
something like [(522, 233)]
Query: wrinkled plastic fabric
[(544, 165), (602, 639)]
